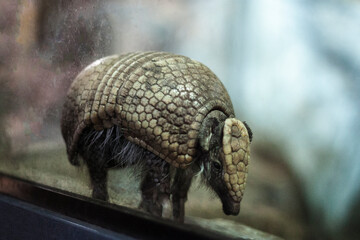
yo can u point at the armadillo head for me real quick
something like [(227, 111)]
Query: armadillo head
[(228, 155)]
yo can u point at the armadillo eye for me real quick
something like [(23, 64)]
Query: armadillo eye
[(216, 165)]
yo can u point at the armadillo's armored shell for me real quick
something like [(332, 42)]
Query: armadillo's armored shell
[(236, 156), (158, 99)]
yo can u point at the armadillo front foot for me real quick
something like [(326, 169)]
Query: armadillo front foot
[(155, 187), (100, 193), (154, 206), (179, 210)]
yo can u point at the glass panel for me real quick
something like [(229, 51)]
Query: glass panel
[(290, 68)]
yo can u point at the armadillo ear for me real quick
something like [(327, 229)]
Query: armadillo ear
[(206, 132), (249, 131), (211, 127)]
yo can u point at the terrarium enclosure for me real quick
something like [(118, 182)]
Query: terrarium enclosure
[(291, 69)]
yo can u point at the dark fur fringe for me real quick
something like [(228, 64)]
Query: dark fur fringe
[(109, 149)]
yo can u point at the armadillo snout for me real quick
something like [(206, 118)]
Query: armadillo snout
[(231, 208)]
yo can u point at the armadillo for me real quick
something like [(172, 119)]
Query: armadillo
[(165, 113)]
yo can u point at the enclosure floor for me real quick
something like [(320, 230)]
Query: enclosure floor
[(46, 163)]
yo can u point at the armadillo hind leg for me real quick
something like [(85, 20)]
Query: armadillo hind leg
[(155, 185), (179, 189), (98, 177), (102, 150), (90, 150)]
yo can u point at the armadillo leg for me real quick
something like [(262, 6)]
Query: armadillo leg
[(180, 188), (155, 186), (98, 176)]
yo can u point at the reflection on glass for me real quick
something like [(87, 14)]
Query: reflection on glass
[(291, 70)]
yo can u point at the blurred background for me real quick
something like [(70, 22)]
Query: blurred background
[(292, 69)]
